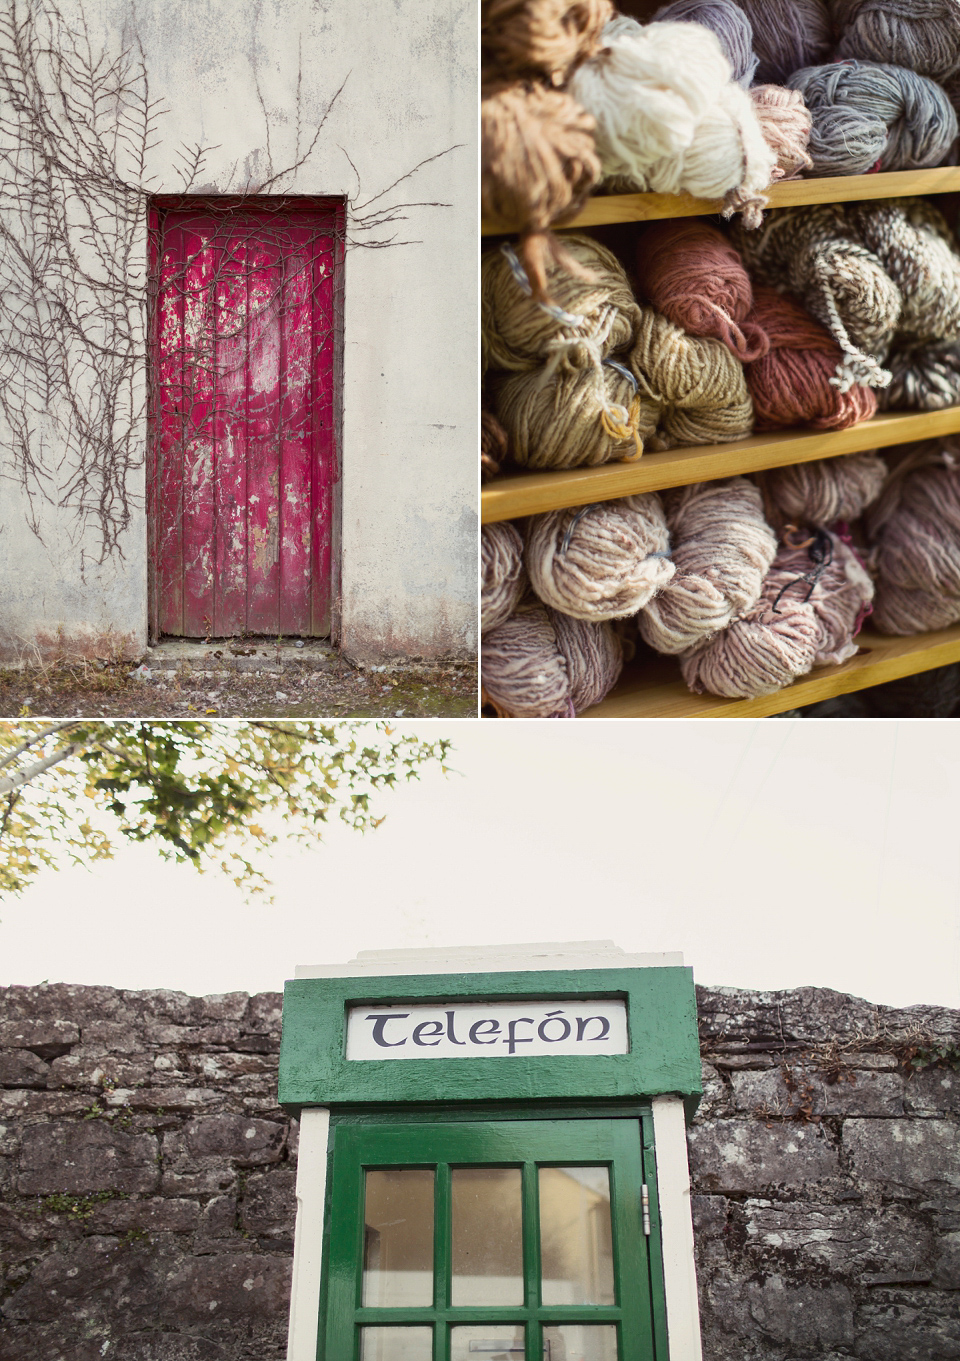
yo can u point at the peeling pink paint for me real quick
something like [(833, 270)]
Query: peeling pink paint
[(244, 334)]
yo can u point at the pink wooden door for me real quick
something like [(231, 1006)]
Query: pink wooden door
[(243, 454)]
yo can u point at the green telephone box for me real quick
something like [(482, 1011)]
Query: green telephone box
[(492, 1161)]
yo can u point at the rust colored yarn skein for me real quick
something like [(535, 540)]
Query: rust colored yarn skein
[(560, 420), (547, 38), (604, 561), (692, 274), (793, 383), (542, 664), (502, 578), (722, 551), (539, 163), (825, 490)]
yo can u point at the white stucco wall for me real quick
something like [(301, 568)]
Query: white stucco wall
[(407, 554)]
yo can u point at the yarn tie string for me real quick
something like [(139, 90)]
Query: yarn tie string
[(620, 423), (520, 274), (820, 552)]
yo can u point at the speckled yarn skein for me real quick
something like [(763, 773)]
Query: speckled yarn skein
[(517, 334), (693, 275), (502, 578), (546, 38), (826, 489), (722, 548), (787, 34), (603, 561), (874, 117), (538, 164), (730, 24), (922, 35), (541, 664), (792, 384), (786, 125), (914, 532), (557, 420)]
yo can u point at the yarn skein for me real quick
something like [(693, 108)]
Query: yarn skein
[(786, 124), (730, 24), (787, 34), (826, 489), (502, 578), (603, 561), (542, 664), (695, 277), (670, 118), (868, 116), (914, 531), (925, 376), (546, 38), (922, 35), (913, 243), (539, 163), (698, 382), (494, 444), (815, 254), (793, 383), (826, 572), (517, 333), (722, 548), (560, 420)]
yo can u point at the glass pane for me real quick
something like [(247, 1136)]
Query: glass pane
[(580, 1342), (487, 1342), (396, 1344), (576, 1244), (487, 1255), (398, 1238)]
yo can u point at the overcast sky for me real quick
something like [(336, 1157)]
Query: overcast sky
[(772, 853)]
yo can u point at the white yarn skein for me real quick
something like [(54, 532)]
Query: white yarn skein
[(648, 87)]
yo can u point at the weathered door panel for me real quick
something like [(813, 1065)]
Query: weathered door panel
[(243, 453)]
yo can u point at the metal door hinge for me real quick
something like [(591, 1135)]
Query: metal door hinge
[(645, 1205)]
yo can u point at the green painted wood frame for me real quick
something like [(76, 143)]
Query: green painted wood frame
[(664, 1055), (626, 1146)]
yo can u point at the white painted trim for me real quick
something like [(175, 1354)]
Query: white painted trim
[(582, 954), (308, 1235), (676, 1228)]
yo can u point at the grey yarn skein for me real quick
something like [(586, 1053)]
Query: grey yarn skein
[(922, 35), (867, 114), (727, 20), (787, 34)]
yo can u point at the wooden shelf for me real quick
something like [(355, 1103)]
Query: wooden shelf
[(657, 690), (507, 498), (605, 209)]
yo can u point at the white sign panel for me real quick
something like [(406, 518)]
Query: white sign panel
[(486, 1030)]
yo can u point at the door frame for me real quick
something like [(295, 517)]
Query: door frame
[(158, 204)]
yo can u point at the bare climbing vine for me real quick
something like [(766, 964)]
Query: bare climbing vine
[(80, 133)]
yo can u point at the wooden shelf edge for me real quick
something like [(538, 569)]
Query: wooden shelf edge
[(880, 659), (509, 498), (607, 209)]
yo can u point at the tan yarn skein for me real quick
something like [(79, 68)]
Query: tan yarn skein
[(722, 550), (541, 664), (557, 421), (914, 530), (538, 164), (545, 37), (826, 490), (502, 578), (517, 334), (599, 562), (700, 383)]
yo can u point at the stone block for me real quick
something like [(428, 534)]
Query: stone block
[(245, 1286), (859, 1092), (157, 1215), (904, 1156), (935, 1091), (224, 1006), (90, 1155), (263, 1014), (22, 1068), (809, 1320), (45, 1038), (844, 1241), (914, 1325), (248, 1142), (94, 1281), (737, 1156), (91, 1071), (269, 1207)]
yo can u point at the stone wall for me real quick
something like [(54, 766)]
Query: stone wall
[(147, 1174)]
